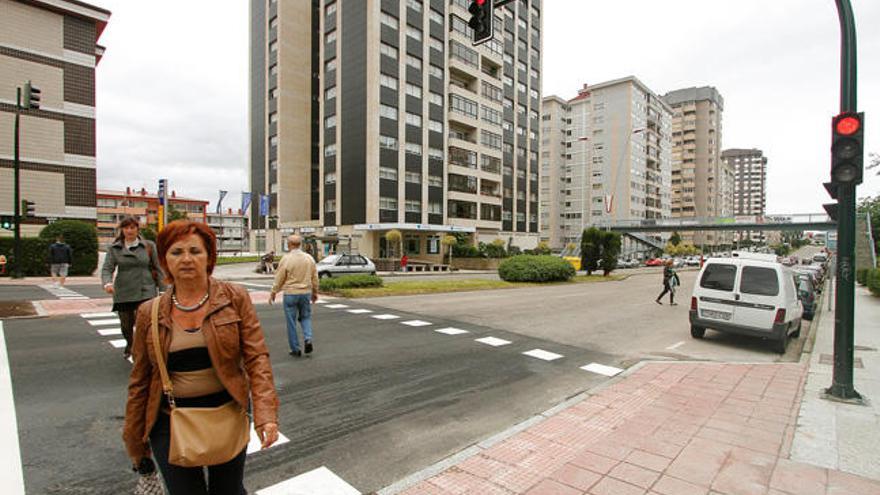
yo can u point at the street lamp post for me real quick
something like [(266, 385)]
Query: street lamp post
[(609, 198)]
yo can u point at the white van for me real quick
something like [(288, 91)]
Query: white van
[(747, 296)]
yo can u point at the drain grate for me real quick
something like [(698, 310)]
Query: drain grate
[(829, 359)]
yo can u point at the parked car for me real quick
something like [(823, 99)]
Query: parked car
[(820, 258), (337, 265), (747, 295), (654, 262), (807, 295), (812, 276), (692, 261)]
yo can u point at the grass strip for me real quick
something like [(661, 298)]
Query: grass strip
[(417, 287)]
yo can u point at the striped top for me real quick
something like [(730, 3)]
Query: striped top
[(192, 374)]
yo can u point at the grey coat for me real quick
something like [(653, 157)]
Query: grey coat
[(134, 278)]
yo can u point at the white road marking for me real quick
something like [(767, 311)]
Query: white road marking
[(451, 331), (493, 341), (105, 332), (254, 442), (249, 284), (118, 343), (10, 456), (360, 311), (320, 301), (103, 323), (416, 323), (321, 481), (336, 306), (386, 317), (62, 292), (544, 355), (676, 345), (73, 298), (98, 315), (601, 369)]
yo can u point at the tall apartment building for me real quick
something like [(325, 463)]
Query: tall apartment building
[(554, 126), (53, 44), (368, 116), (616, 161), (750, 184), (701, 181)]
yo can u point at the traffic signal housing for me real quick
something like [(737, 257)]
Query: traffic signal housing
[(28, 209), (481, 20), (32, 96), (847, 148), (6, 222)]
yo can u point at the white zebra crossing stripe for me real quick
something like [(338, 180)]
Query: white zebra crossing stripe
[(62, 292), (601, 369), (320, 481), (493, 341), (10, 457), (320, 301), (451, 331), (254, 442), (106, 332), (336, 306), (118, 343), (386, 317), (360, 311), (416, 323), (98, 315), (103, 323), (543, 355)]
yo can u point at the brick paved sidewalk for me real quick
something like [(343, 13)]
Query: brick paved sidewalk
[(665, 429)]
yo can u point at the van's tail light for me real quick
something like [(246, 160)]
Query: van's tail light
[(693, 303), (780, 315)]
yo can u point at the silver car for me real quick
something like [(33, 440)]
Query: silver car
[(337, 265)]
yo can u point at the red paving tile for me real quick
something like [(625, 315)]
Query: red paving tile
[(595, 462), (634, 475), (745, 472), (668, 485), (550, 487), (648, 460), (799, 478), (611, 486), (576, 477)]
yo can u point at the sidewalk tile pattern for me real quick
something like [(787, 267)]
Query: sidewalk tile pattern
[(665, 429)]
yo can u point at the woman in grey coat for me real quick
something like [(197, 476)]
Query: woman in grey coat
[(138, 275)]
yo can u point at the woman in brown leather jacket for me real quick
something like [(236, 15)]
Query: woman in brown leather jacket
[(214, 352)]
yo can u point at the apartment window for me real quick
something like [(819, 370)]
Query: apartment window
[(273, 165), (414, 177), (387, 173), (414, 149), (415, 5), (533, 93), (492, 116), (414, 33), (273, 46), (435, 16), (462, 209), (533, 73), (273, 71), (520, 216), (506, 216), (463, 105), (463, 53), (388, 142), (388, 112), (490, 164), (273, 24), (273, 117), (388, 50), (435, 71), (330, 206), (521, 87), (331, 36), (435, 98), (388, 81), (330, 122), (413, 119), (520, 174), (330, 178), (490, 139), (460, 26), (435, 153), (413, 90), (331, 8), (414, 206), (463, 183), (508, 81), (435, 44), (386, 203), (492, 92), (490, 212), (330, 65), (435, 181), (388, 20), (330, 150), (522, 66), (330, 93)]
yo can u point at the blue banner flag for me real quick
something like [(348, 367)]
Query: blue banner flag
[(220, 201), (245, 202), (264, 204)]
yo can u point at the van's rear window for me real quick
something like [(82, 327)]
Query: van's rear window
[(759, 281), (718, 277)]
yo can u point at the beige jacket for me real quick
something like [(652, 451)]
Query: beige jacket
[(296, 274)]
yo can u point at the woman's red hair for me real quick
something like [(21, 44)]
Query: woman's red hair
[(179, 229)]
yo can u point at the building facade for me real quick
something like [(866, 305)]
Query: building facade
[(554, 126), (614, 159), (368, 116), (112, 206), (53, 44), (231, 230), (701, 180), (750, 185)]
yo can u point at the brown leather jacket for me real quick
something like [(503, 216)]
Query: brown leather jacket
[(238, 352)]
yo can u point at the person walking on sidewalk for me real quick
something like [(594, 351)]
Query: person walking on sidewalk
[(670, 282), (138, 275), (297, 276), (60, 258)]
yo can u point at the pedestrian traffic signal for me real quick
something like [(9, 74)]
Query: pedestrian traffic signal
[(481, 20), (6, 222), (27, 208), (847, 152), (32, 96)]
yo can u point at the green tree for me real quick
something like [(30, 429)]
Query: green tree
[(175, 214), (395, 239), (675, 239), (591, 249), (82, 237), (871, 206), (610, 251), (148, 233), (450, 241)]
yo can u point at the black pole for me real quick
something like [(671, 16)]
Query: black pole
[(16, 247), (844, 314)]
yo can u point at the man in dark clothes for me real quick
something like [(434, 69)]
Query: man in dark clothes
[(60, 258)]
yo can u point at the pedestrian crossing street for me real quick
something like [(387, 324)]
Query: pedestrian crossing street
[(63, 292)]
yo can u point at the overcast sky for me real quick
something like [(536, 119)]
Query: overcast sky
[(173, 96)]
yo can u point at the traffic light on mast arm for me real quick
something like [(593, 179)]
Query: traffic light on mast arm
[(847, 148), (28, 209), (482, 18), (32, 96)]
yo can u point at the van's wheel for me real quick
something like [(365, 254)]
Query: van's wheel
[(797, 333), (697, 332), (324, 275), (780, 345)]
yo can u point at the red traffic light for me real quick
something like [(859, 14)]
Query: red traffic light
[(847, 126), (480, 2)]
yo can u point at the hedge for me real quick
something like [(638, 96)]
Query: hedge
[(82, 238), (34, 254), (350, 282), (531, 268), (873, 281), (862, 275)]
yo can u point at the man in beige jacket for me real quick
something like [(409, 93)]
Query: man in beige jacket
[(297, 276)]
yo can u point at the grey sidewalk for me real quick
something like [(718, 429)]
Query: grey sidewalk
[(833, 434)]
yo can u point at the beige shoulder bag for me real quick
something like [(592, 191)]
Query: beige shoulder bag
[(200, 436)]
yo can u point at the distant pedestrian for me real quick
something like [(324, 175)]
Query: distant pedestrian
[(2, 264), (403, 261), (670, 282), (297, 276), (138, 275), (269, 262), (60, 258)]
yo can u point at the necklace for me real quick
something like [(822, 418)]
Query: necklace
[(188, 309)]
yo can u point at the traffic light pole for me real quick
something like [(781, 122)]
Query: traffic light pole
[(844, 316), (16, 249)]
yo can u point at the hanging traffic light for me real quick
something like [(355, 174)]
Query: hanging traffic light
[(481, 20), (32, 96), (28, 209), (847, 150)]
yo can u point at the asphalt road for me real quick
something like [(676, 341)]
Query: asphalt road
[(377, 401)]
